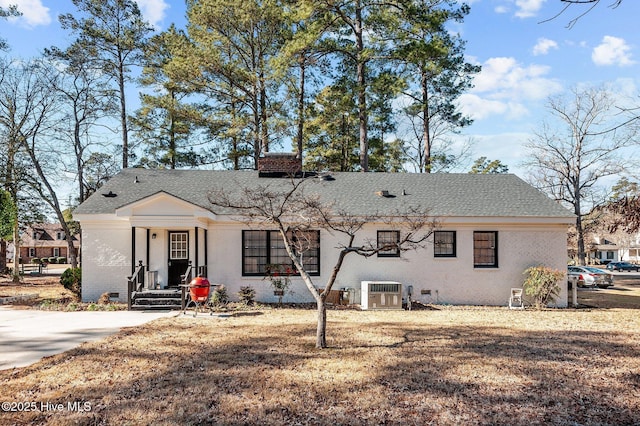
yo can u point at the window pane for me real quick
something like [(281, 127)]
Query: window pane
[(178, 245), (254, 252), (309, 245), (444, 243), (389, 238), (278, 254), (485, 249), (262, 248)]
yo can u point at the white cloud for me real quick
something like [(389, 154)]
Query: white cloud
[(612, 51), (501, 9), (505, 87), (33, 12), (543, 46), (506, 78), (153, 10), (480, 108), (528, 8)]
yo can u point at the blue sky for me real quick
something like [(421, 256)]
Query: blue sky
[(524, 59)]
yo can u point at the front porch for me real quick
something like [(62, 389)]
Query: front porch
[(173, 258), (144, 293)]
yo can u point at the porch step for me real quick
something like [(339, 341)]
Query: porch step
[(157, 293), (156, 299)]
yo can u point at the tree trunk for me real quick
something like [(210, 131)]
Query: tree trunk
[(264, 129), (582, 258), (16, 253), (3, 256), (579, 226), (235, 151), (301, 118), (123, 118), (425, 118), (256, 127), (173, 149), (79, 167), (321, 333), (362, 90)]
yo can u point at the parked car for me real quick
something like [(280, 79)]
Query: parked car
[(586, 276), (623, 266)]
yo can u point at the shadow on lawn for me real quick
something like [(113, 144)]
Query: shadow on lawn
[(242, 374)]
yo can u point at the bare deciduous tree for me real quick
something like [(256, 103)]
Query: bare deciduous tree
[(591, 4), (28, 111), (294, 208), (569, 157)]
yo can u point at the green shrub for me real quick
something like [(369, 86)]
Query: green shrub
[(36, 261), (52, 260), (61, 260), (247, 295), (219, 296), (73, 307), (541, 284), (71, 279)]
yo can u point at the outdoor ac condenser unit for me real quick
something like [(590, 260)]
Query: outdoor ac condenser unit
[(381, 295)]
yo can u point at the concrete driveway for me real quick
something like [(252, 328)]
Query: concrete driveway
[(26, 336)]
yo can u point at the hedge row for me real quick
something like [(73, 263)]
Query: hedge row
[(59, 260)]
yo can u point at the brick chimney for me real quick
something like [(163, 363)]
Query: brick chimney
[(279, 164)]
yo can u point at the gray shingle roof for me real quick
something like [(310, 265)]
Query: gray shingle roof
[(446, 195)]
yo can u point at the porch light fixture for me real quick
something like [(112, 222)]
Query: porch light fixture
[(153, 236)]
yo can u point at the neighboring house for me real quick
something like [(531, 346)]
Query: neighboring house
[(603, 250), (45, 240), (493, 227)]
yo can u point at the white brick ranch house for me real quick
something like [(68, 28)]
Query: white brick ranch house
[(492, 227)]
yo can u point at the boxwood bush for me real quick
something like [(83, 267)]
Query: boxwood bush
[(71, 279)]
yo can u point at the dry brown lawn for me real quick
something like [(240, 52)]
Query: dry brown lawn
[(40, 288), (445, 366)]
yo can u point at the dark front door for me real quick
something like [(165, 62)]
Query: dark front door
[(178, 256)]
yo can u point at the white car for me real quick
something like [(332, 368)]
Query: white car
[(586, 276)]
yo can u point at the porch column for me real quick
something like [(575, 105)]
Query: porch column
[(148, 232), (206, 251), (196, 232), (133, 250)]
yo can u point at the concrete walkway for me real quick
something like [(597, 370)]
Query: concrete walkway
[(26, 336)]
